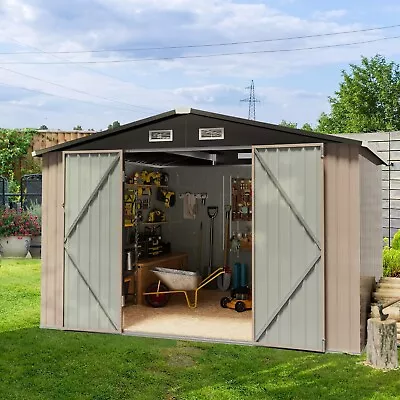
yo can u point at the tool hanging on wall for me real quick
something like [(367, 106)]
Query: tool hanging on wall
[(241, 199), (212, 213), (156, 215), (200, 249), (224, 281), (189, 206), (167, 197)]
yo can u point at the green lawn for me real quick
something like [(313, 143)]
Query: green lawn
[(45, 364)]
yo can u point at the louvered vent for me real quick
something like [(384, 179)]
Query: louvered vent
[(211, 133), (162, 135)]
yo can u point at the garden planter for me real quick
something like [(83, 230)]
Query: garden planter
[(36, 246), (15, 246)]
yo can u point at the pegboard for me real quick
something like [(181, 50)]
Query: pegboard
[(241, 199)]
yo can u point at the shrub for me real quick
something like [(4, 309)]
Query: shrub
[(396, 241), (13, 223), (391, 257)]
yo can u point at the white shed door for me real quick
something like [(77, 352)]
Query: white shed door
[(93, 241), (288, 281)]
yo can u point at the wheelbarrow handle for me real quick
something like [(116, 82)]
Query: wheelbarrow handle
[(211, 277)]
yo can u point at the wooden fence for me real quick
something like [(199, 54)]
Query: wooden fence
[(380, 142), (44, 138)]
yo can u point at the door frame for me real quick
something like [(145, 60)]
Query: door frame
[(322, 227), (122, 179)]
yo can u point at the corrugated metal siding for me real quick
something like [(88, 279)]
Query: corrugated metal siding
[(52, 242), (371, 217), (283, 250), (371, 236), (95, 244), (342, 248)]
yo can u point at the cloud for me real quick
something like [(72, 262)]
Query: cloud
[(146, 87), (330, 14)]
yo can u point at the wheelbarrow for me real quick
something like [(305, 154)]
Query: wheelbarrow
[(172, 281)]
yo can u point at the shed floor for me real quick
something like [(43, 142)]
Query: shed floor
[(209, 320)]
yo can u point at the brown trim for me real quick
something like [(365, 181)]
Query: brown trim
[(200, 113), (253, 240), (322, 260)]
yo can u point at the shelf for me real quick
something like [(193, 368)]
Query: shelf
[(135, 185), (145, 223)]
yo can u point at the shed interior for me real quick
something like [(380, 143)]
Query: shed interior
[(176, 195)]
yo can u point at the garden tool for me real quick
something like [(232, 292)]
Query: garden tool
[(381, 307), (212, 213), (224, 281)]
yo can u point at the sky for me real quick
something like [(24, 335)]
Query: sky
[(54, 70)]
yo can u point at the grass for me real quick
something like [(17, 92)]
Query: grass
[(46, 364)]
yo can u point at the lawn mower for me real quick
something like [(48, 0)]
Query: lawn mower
[(240, 299)]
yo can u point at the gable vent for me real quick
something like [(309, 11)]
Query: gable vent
[(161, 135), (211, 133)]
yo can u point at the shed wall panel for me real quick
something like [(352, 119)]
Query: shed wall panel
[(52, 242), (371, 236), (371, 218), (342, 248)]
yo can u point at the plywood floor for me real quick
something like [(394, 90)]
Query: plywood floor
[(208, 320)]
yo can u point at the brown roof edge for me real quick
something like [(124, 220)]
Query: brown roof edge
[(100, 134), (158, 117), (280, 128)]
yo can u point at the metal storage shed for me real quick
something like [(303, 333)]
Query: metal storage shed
[(316, 224)]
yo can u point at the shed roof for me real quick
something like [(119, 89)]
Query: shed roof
[(185, 123)]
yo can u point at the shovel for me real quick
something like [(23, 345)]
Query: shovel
[(212, 213)]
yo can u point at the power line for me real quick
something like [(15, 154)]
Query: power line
[(203, 55), (64, 97), (191, 46), (69, 88), (80, 66), (252, 101)]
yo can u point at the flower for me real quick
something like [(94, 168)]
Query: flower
[(13, 223)]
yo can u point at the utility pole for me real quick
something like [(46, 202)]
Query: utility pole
[(252, 101)]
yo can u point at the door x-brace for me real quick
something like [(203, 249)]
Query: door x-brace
[(310, 233), (73, 226)]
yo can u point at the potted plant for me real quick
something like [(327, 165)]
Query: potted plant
[(16, 230), (35, 209)]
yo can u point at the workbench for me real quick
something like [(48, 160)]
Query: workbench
[(144, 275)]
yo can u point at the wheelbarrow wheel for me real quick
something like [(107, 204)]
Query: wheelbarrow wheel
[(224, 302), (157, 300)]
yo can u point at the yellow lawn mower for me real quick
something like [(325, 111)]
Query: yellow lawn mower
[(240, 300)]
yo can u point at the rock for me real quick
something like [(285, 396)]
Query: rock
[(382, 344)]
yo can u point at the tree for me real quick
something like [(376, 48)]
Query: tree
[(43, 128), (288, 124), (77, 128), (14, 146), (307, 127), (114, 125), (367, 99)]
